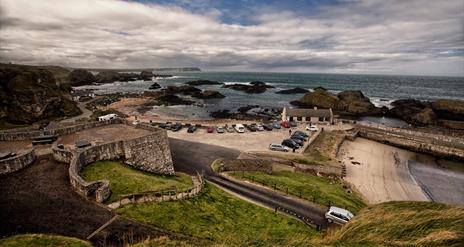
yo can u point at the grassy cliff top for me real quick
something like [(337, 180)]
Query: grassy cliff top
[(42, 240)]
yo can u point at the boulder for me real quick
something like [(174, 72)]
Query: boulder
[(252, 88), (184, 89), (79, 77), (356, 103), (449, 109), (296, 90), (29, 94), (208, 94), (424, 117), (203, 82), (146, 75), (406, 108), (320, 99), (154, 86), (107, 77)]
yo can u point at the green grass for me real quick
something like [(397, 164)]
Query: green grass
[(312, 188), (222, 218), (322, 150), (41, 240), (5, 125), (126, 180), (402, 224)]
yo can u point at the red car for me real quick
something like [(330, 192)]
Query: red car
[(210, 129), (285, 124)]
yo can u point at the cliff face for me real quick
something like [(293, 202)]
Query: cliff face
[(29, 94)]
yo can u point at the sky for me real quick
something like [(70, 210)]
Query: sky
[(411, 37)]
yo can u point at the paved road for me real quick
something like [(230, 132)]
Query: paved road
[(86, 113), (191, 157)]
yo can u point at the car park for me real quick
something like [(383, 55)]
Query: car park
[(301, 133), (210, 129), (220, 129), (338, 215), (278, 147), (276, 125), (240, 128), (230, 128), (312, 128), (191, 129), (290, 143), (285, 124)]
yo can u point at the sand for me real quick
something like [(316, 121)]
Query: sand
[(379, 176)]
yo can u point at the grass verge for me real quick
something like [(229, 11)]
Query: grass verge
[(126, 180), (319, 190), (402, 224), (42, 240), (223, 219)]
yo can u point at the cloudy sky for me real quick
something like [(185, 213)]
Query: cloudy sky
[(340, 36)]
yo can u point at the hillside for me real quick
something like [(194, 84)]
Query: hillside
[(402, 224), (29, 94)]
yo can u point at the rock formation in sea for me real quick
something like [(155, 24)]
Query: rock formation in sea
[(203, 82), (296, 90), (251, 88), (208, 94)]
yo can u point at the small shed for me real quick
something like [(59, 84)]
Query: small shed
[(82, 144)]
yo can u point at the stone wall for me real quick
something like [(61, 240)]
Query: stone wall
[(161, 196), (18, 162), (446, 147)]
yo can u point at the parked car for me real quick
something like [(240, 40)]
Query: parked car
[(260, 127), (278, 147), (168, 125), (338, 215), (312, 128), (162, 125), (220, 129), (191, 129), (290, 143), (230, 129), (176, 127), (210, 129), (240, 128), (276, 125), (268, 127), (293, 124), (301, 133), (251, 128), (285, 124), (136, 122), (298, 141), (296, 136)]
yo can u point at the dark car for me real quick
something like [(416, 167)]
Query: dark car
[(168, 125), (301, 133), (290, 143), (296, 136), (162, 125), (276, 125), (191, 129), (252, 128), (268, 127), (176, 127), (298, 141)]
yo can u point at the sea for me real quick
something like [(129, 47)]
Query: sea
[(381, 89)]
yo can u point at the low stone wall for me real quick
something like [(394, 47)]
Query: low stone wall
[(449, 147), (28, 134), (161, 196), (18, 162)]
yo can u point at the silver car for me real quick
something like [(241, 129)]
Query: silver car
[(278, 147), (220, 129), (338, 215)]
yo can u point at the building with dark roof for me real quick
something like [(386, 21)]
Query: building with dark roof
[(314, 115)]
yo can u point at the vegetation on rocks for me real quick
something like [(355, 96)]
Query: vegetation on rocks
[(81, 77), (126, 180), (42, 240)]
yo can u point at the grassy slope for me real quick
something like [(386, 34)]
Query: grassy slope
[(403, 224), (218, 216), (126, 180), (318, 189), (41, 240)]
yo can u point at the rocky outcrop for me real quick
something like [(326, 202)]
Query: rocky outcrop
[(208, 94), (146, 75), (184, 89), (203, 82), (165, 98), (346, 102), (296, 90), (112, 76), (79, 77), (154, 86), (29, 94), (252, 88), (424, 117), (449, 109)]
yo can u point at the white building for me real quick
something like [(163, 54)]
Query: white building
[(78, 94), (107, 117), (307, 115)]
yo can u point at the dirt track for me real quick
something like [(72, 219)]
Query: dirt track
[(39, 199)]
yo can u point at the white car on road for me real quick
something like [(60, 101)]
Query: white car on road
[(240, 128), (312, 128), (338, 215), (278, 147)]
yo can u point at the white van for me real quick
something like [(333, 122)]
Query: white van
[(338, 215), (107, 117), (240, 128)]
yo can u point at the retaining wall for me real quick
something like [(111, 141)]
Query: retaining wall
[(18, 162)]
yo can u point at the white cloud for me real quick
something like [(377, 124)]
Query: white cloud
[(418, 37)]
